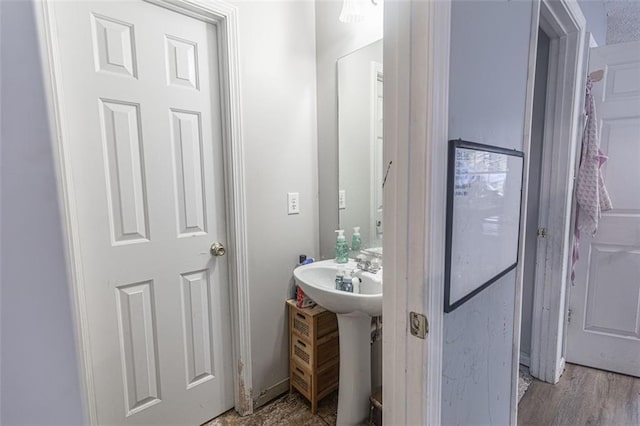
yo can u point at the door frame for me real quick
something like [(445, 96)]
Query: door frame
[(416, 97), (565, 25), (225, 17)]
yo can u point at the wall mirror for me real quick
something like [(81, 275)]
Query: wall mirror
[(360, 160)]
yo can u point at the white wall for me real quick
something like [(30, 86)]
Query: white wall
[(488, 71), (40, 381), (533, 200), (334, 39), (39, 375), (277, 62)]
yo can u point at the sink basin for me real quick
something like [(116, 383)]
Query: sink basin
[(354, 311), (318, 282)]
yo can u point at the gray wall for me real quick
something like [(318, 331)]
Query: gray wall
[(334, 40), (533, 200), (596, 15), (40, 382), (488, 71), (277, 59)]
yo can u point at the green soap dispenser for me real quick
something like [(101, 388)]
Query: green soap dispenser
[(356, 241), (341, 248)]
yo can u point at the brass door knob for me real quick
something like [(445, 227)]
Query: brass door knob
[(217, 249)]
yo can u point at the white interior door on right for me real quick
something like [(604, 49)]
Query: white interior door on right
[(604, 301)]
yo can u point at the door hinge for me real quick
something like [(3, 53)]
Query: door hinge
[(569, 312), (418, 324), (542, 232)]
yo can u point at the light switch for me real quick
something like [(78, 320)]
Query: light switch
[(293, 203), (342, 199)]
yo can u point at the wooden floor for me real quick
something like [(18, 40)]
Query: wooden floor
[(584, 396)]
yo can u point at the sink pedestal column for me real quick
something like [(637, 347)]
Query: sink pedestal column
[(355, 368)]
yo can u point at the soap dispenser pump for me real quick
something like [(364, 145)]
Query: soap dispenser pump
[(356, 241), (341, 248)]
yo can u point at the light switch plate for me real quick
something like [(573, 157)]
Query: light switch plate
[(342, 199), (293, 203)]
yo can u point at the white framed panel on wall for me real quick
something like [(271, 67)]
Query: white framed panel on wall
[(484, 197)]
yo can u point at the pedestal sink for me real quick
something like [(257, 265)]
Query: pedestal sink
[(354, 311)]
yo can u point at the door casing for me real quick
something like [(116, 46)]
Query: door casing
[(416, 98), (565, 24), (224, 17)]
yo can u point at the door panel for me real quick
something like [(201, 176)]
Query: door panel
[(113, 46), (182, 62), (185, 131), (141, 105), (620, 142), (136, 317), (122, 144), (197, 325), (604, 327), (612, 305), (622, 80)]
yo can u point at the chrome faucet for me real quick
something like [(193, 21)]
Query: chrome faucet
[(367, 265)]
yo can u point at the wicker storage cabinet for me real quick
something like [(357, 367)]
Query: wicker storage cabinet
[(314, 352)]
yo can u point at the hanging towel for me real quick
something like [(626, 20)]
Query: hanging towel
[(591, 194)]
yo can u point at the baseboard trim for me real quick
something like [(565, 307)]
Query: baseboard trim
[(271, 393), (525, 359)]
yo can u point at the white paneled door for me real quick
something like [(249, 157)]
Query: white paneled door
[(604, 327), (143, 141)]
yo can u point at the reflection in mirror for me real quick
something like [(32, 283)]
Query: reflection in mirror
[(360, 144)]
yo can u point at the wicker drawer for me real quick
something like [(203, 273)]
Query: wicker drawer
[(327, 349), (322, 383), (302, 323), (301, 380)]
